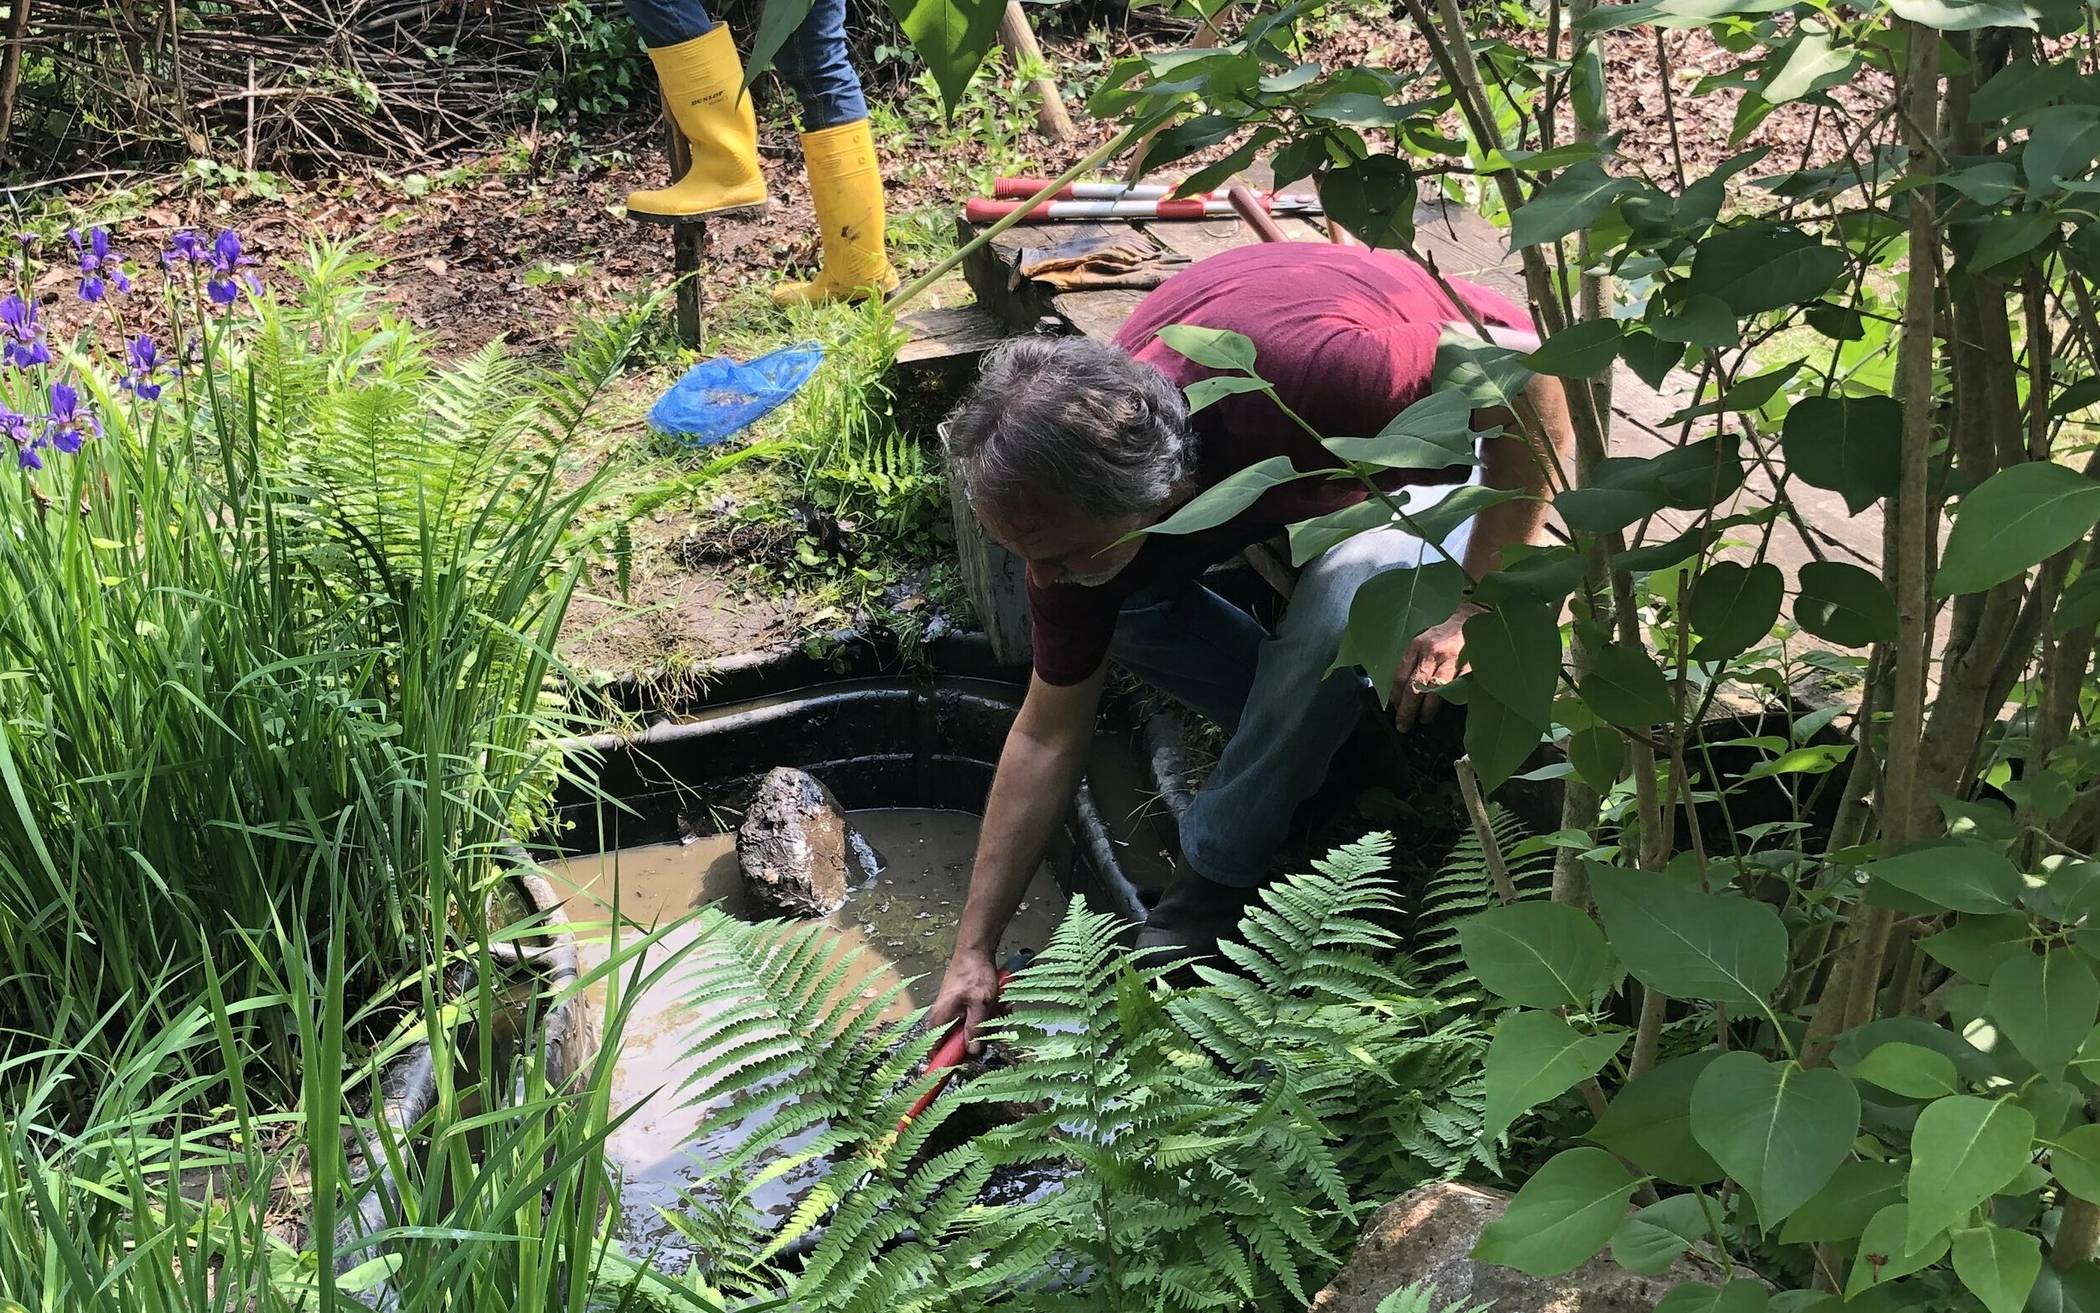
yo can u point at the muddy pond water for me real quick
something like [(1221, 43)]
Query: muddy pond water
[(904, 919)]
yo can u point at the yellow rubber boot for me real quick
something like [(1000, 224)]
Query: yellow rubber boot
[(845, 184), (703, 82)]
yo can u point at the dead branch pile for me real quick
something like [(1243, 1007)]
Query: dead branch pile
[(271, 83)]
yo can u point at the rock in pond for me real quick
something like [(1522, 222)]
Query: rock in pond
[(795, 846), (1427, 1236)]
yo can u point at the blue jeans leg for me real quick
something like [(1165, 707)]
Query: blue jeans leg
[(1296, 714), (813, 60), (668, 22), (814, 63), (1193, 646)]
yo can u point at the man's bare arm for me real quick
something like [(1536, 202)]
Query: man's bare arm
[(1528, 462), (1039, 769)]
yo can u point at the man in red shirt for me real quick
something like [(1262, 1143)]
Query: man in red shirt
[(1066, 446)]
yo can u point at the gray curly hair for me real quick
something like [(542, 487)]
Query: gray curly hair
[(1073, 423)]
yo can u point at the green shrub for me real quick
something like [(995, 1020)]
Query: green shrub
[(595, 59), (1824, 984)]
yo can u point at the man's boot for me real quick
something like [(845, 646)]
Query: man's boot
[(703, 82), (1190, 918), (845, 184)]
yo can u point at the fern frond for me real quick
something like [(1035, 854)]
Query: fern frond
[(1463, 887), (1309, 942), (594, 358), (785, 1043), (1421, 1298), (1270, 1244), (1224, 1256)]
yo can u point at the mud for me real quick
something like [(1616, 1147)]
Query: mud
[(905, 919)]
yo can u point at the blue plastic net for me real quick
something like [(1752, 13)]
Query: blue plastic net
[(719, 397)]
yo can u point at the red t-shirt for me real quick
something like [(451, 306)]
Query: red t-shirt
[(1346, 335)]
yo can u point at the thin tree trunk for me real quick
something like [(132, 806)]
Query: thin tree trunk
[(1848, 997), (1019, 39), (11, 69)]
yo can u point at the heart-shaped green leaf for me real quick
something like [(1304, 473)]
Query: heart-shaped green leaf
[(1539, 954), (1778, 1128)]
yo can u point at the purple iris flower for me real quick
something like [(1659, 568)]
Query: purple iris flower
[(21, 336), (69, 424), (18, 430), (223, 258), (185, 247), (145, 362), (227, 261), (100, 269)]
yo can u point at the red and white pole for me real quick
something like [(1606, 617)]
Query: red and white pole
[(1020, 189), (980, 210)]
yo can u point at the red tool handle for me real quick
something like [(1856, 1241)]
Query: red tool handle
[(1020, 189), (1254, 209), (980, 210), (944, 1058)]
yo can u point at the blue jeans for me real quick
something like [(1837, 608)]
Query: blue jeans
[(813, 60), (1271, 693)]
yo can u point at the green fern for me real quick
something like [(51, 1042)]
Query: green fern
[(399, 461), (1421, 1298), (820, 1078), (1462, 887), (1221, 1142), (1309, 942), (1205, 1122)]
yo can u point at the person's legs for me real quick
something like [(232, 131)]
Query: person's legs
[(668, 22), (838, 150), (816, 66), (1193, 646), (1297, 714), (703, 86)]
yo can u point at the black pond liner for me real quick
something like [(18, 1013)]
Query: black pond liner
[(880, 728)]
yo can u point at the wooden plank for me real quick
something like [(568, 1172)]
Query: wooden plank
[(1464, 245), (989, 270), (1200, 241), (949, 331), (995, 581), (939, 360), (1098, 314), (1298, 229)]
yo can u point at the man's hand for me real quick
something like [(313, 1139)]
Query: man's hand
[(968, 993), (1434, 659)]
